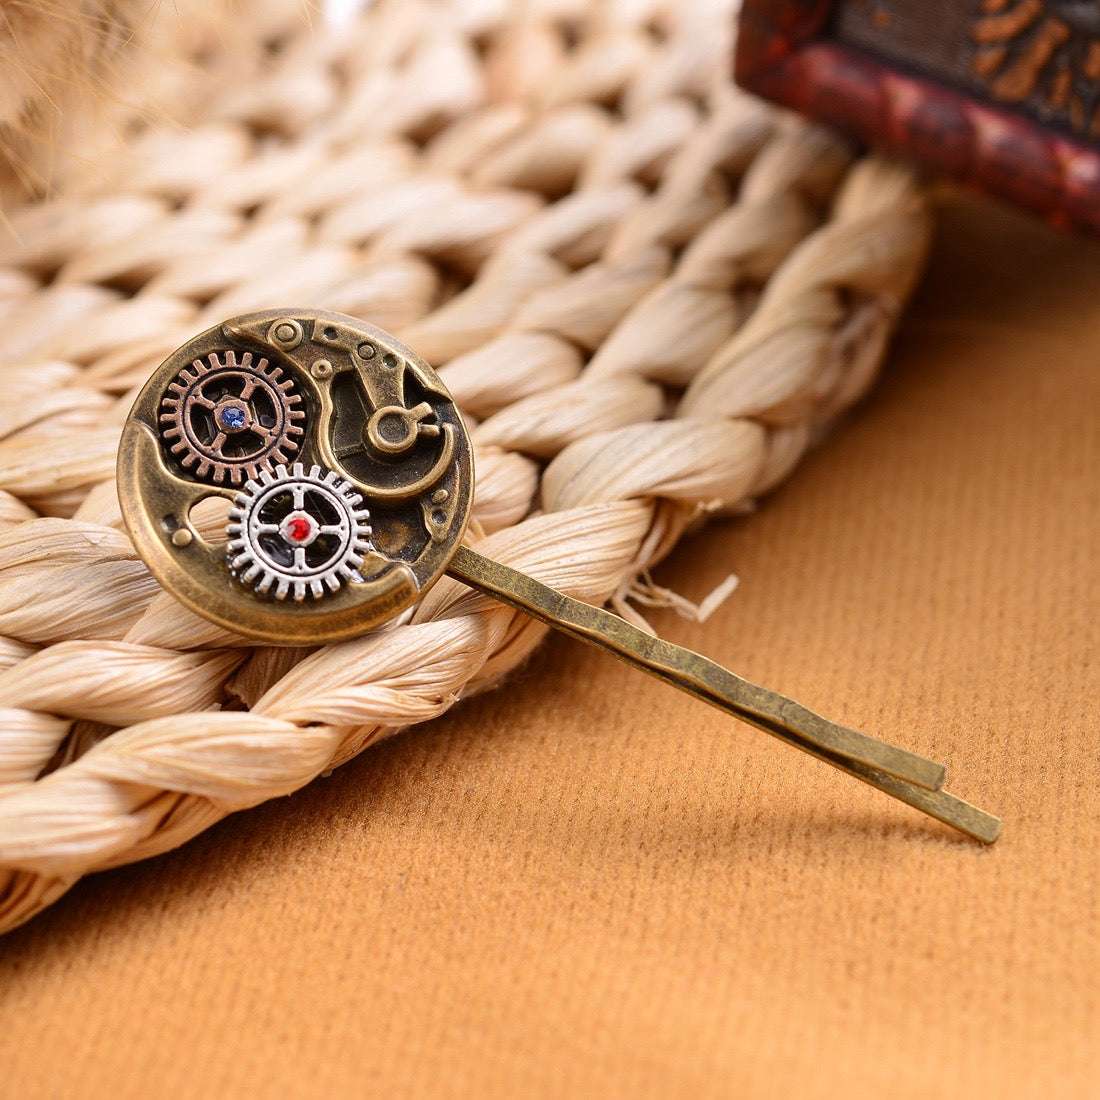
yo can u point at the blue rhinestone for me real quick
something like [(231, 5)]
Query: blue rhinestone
[(232, 417)]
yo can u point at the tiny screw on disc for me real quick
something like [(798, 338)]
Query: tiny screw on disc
[(343, 464)]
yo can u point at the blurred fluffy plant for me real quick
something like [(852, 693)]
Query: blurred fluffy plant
[(59, 61)]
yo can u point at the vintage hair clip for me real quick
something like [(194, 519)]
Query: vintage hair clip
[(350, 478)]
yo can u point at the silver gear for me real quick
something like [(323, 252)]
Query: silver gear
[(293, 533), (222, 418)]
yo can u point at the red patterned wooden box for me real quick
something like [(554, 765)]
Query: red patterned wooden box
[(1003, 95)]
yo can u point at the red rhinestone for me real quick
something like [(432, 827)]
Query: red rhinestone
[(299, 529)]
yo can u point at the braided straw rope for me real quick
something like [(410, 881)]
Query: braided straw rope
[(649, 292)]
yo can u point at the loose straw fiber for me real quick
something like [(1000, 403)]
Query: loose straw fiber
[(648, 292)]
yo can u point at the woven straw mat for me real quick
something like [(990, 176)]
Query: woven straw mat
[(648, 292)]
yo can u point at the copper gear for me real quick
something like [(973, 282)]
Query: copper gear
[(227, 420)]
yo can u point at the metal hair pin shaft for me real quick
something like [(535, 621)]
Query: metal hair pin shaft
[(348, 478), (904, 775)]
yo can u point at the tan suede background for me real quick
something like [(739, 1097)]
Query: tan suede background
[(585, 884)]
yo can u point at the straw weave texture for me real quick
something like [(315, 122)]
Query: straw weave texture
[(649, 294)]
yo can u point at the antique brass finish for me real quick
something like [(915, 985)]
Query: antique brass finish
[(372, 509), (908, 777), (372, 416)]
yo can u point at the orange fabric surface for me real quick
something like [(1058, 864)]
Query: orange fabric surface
[(585, 884)]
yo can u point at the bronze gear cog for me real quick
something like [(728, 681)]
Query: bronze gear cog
[(227, 420)]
